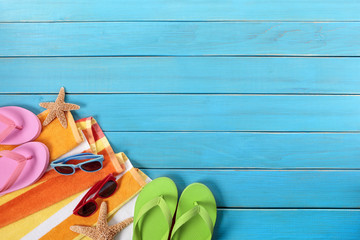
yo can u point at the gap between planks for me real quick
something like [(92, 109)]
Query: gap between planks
[(186, 94), (187, 56), (258, 169), (285, 209), (180, 21)]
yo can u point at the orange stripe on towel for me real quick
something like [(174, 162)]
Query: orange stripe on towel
[(128, 188), (96, 137), (50, 192), (53, 187), (59, 140)]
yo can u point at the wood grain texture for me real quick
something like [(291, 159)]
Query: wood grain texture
[(182, 75), (110, 10), (287, 224), (238, 150), (272, 189), (148, 112), (190, 88), (180, 39)]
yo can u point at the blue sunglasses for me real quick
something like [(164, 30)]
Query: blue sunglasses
[(95, 163)]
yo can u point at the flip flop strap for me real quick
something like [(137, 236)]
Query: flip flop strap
[(10, 127), (21, 160), (156, 202), (188, 215)]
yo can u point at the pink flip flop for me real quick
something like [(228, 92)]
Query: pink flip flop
[(18, 125), (22, 166)]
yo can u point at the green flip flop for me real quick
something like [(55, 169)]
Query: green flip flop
[(154, 210), (195, 215)]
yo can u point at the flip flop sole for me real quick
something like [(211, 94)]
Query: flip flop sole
[(153, 225), (195, 228), (31, 125), (34, 167)]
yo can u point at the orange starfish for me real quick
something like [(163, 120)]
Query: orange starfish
[(58, 108), (102, 231)]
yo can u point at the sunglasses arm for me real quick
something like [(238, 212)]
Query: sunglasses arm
[(80, 156), (92, 190)]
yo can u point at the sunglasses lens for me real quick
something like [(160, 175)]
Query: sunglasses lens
[(91, 166), (87, 209), (64, 169), (108, 189)]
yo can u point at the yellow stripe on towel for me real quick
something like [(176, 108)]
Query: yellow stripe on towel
[(19, 229), (128, 188)]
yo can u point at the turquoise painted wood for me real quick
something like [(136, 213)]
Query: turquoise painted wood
[(143, 10), (239, 150), (295, 224), (163, 112), (257, 99), (182, 75), (180, 39), (273, 188)]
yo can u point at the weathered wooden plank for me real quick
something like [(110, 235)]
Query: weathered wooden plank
[(109, 10), (287, 224), (272, 188), (180, 39), (238, 150), (181, 75), (154, 112)]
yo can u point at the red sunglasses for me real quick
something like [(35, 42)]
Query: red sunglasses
[(103, 189)]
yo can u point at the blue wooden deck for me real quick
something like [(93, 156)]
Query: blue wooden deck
[(260, 100)]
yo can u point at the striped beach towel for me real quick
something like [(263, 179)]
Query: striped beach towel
[(44, 209)]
